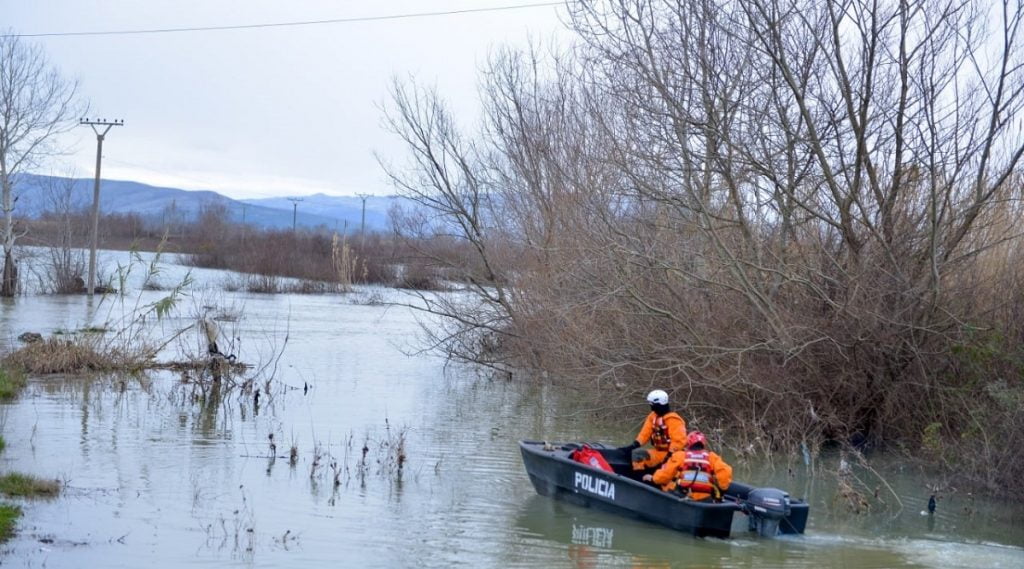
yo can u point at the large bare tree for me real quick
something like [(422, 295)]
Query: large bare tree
[(36, 105), (797, 215)]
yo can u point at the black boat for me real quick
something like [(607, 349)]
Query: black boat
[(553, 473)]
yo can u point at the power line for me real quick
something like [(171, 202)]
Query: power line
[(291, 24)]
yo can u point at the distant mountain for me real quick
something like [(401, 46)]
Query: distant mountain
[(36, 194)]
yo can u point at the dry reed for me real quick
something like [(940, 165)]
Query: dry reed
[(80, 353)]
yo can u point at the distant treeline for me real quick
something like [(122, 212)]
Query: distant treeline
[(323, 260)]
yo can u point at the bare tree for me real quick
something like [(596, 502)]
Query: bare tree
[(66, 264), (797, 214), (36, 105), (819, 150), (448, 178)]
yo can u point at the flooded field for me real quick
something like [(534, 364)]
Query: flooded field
[(163, 472)]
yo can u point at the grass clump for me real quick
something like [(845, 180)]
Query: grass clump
[(12, 382), (15, 484), (9, 515), (55, 355)]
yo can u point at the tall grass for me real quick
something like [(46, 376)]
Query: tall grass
[(25, 486), (12, 381), (9, 514)]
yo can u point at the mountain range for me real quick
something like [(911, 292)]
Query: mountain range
[(36, 194)]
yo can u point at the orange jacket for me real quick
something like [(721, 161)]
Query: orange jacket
[(667, 432), (668, 475)]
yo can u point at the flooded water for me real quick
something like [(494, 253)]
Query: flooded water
[(161, 473)]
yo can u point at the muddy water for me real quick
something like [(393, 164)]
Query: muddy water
[(161, 473)]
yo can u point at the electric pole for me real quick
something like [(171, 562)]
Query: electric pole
[(362, 223), (295, 210), (101, 132), (243, 229)]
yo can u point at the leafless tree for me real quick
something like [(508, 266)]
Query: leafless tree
[(797, 215), (853, 156), (36, 105), (448, 178), (66, 264)]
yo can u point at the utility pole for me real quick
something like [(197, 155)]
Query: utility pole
[(243, 229), (101, 132), (362, 223), (295, 210)]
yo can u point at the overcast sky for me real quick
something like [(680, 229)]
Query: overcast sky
[(262, 112)]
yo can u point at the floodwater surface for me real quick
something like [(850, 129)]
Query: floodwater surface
[(162, 472)]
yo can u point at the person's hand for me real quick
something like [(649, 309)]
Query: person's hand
[(648, 478), (629, 448)]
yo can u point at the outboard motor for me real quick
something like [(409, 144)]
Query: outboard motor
[(766, 508)]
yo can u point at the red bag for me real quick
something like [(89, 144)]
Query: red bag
[(591, 458)]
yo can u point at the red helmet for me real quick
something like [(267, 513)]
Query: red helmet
[(696, 437)]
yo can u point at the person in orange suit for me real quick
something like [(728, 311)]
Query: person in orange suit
[(663, 428), (696, 472)]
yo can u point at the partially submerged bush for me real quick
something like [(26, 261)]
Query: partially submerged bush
[(272, 284)]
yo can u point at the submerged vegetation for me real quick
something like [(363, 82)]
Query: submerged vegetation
[(125, 342), (15, 485), (797, 217), (128, 340), (81, 353), (382, 456), (9, 514), (24, 486), (12, 381)]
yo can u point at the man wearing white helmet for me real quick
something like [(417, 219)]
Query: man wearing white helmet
[(663, 428)]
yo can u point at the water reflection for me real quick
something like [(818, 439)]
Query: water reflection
[(593, 539), (593, 536)]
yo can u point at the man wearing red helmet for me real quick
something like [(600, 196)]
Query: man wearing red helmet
[(663, 428), (696, 472)]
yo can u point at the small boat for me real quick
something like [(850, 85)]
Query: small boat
[(554, 473)]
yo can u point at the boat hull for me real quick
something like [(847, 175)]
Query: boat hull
[(554, 474)]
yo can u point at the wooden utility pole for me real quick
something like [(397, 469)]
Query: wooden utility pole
[(101, 132), (295, 210)]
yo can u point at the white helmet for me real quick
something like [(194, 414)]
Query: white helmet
[(657, 397)]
